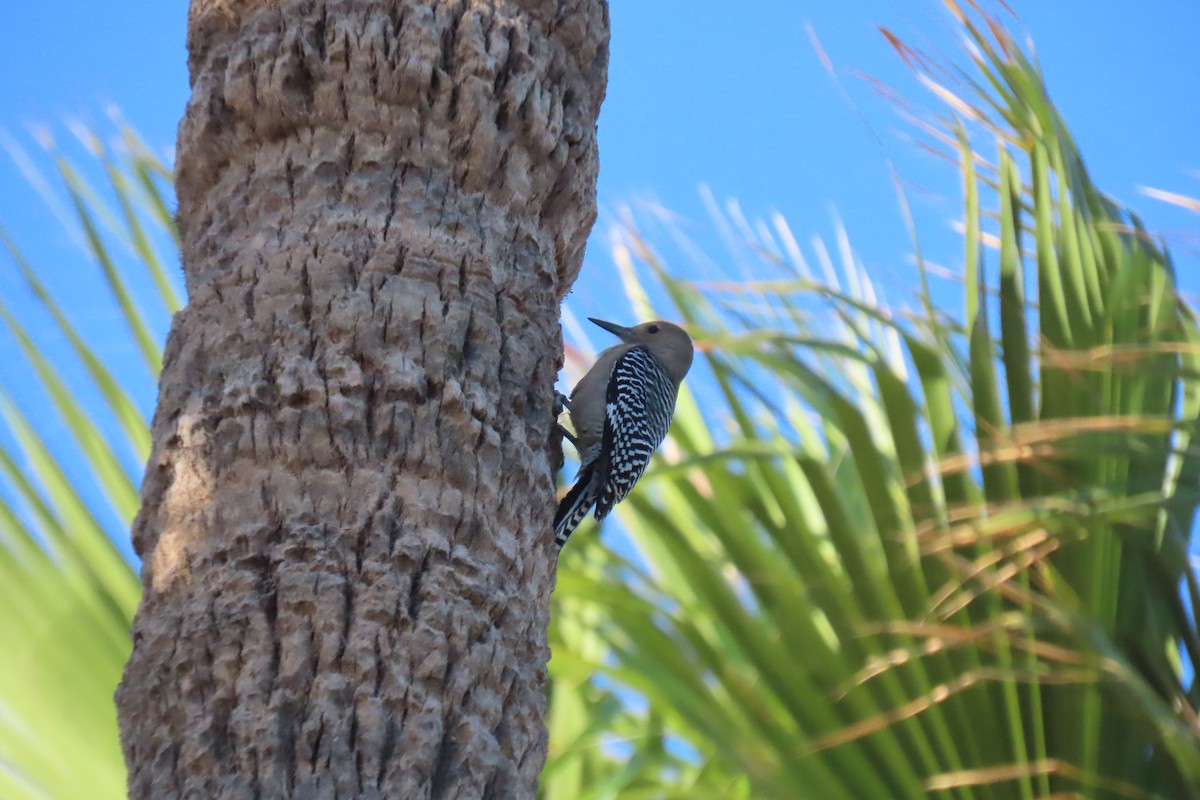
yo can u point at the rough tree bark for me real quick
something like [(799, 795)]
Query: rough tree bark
[(346, 515)]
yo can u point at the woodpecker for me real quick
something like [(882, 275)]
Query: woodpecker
[(621, 410)]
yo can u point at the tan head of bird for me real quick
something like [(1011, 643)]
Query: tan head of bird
[(667, 342)]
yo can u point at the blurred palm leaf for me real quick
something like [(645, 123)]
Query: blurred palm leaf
[(70, 592), (929, 555)]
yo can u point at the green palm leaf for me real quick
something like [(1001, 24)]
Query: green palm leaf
[(932, 558), (69, 592)]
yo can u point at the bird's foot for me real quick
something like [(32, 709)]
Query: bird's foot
[(570, 437), (561, 401)]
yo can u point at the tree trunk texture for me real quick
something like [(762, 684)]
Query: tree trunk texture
[(346, 520)]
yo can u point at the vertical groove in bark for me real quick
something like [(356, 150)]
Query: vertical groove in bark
[(346, 514)]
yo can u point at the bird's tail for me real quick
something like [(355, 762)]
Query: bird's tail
[(575, 506)]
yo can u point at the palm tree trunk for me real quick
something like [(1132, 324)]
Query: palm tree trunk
[(346, 514)]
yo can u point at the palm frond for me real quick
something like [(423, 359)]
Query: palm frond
[(69, 590), (931, 556)]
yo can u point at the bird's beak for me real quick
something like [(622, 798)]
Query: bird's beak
[(620, 330)]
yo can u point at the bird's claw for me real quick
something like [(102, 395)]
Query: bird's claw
[(561, 401)]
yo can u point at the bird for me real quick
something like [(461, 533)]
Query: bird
[(621, 410)]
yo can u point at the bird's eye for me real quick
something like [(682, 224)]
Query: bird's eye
[(652, 329)]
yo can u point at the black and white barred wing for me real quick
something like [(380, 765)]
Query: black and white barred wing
[(640, 402)]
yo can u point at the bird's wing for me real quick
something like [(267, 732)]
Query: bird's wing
[(639, 404)]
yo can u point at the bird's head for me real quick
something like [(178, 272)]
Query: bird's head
[(667, 342)]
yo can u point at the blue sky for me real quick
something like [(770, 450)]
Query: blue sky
[(726, 94)]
